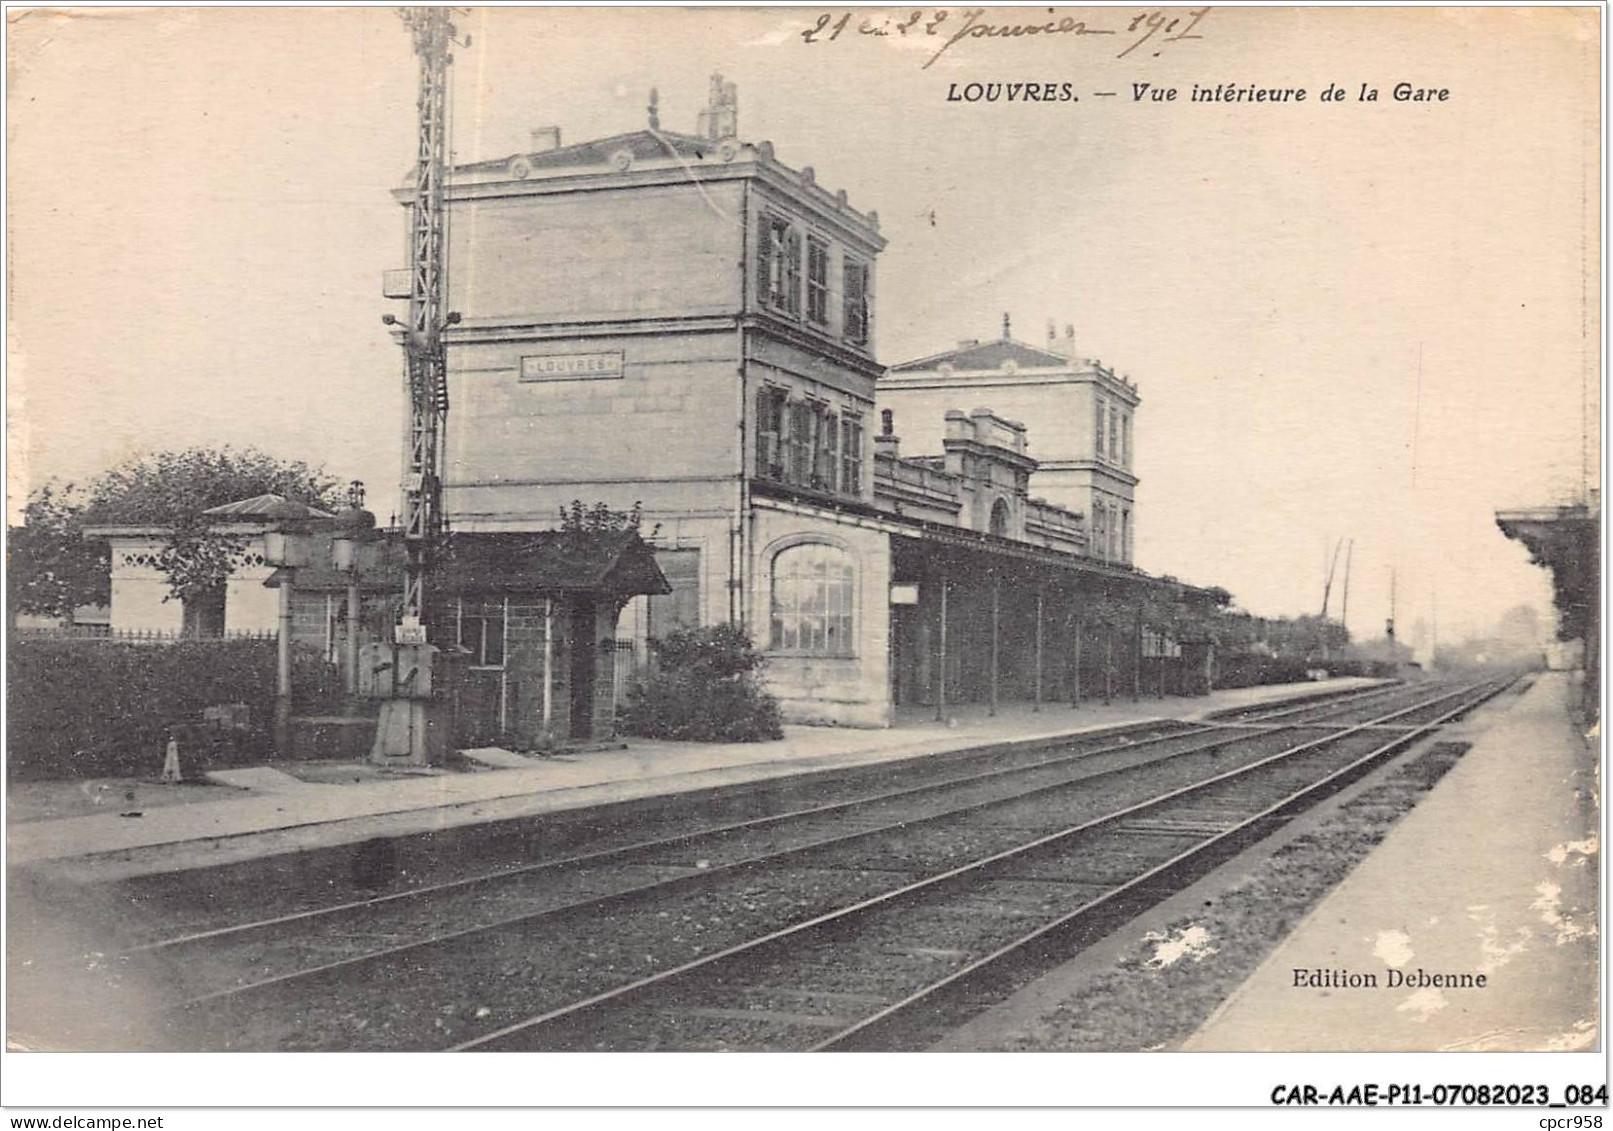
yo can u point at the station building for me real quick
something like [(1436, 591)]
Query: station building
[(1083, 444), (683, 322)]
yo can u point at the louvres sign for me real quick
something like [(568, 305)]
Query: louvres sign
[(572, 366)]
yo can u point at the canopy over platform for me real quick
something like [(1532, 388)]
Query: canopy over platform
[(617, 563)]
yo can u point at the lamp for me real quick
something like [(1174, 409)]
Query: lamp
[(355, 529), (285, 548)]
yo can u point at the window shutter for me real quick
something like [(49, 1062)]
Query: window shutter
[(764, 273), (831, 449), (792, 271), (766, 433), (856, 302)]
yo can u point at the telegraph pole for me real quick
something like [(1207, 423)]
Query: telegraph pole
[(1349, 554), (406, 729), (425, 356)]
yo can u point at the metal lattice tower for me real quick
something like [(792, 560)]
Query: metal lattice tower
[(426, 370)]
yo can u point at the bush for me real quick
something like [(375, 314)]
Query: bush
[(1251, 670), (83, 708), (705, 687)]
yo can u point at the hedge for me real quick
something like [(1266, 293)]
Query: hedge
[(705, 687), (84, 708), (1249, 670)]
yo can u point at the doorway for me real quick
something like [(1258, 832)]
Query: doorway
[(584, 656)]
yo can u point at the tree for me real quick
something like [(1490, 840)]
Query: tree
[(53, 568), (1520, 629), (174, 488), (601, 519)]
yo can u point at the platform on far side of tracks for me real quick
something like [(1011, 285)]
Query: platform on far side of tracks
[(1494, 873), (265, 822)]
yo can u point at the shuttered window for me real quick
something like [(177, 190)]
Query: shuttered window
[(851, 454), (778, 265), (856, 301), (770, 425), (817, 280)]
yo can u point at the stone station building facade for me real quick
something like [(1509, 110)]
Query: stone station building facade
[(683, 322)]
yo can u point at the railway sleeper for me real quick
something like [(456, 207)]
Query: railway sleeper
[(767, 1016)]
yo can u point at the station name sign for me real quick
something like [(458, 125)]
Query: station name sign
[(572, 366)]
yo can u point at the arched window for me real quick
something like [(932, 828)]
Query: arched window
[(999, 518), (812, 600)]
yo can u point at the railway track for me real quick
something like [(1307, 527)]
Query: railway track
[(455, 965), (311, 978), (452, 901), (212, 926), (863, 977), (160, 911)]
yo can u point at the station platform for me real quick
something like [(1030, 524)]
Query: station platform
[(1493, 874), (274, 812)]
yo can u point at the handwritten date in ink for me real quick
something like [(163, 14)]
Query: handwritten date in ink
[(1149, 30)]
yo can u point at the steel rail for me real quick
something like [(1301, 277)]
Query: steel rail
[(1187, 728), (683, 838), (839, 916), (706, 875), (1223, 737), (867, 1033), (1347, 698)]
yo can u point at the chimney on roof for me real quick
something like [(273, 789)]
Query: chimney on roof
[(887, 443), (655, 109), (720, 118), (545, 138), (1005, 325), (1052, 332)]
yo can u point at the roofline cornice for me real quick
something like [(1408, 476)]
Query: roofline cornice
[(752, 164), (992, 452), (487, 330), (1108, 469), (788, 332)]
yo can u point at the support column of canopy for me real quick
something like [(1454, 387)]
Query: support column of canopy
[(1036, 701), (996, 621), (941, 662), (1137, 655)]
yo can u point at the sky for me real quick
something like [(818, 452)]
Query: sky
[(1375, 321)]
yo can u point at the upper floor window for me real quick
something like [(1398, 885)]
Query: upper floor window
[(798, 445), (826, 449), (851, 454), (856, 297), (1100, 418), (807, 444), (1125, 439), (778, 265), (817, 304), (812, 595), (1117, 451), (770, 432)]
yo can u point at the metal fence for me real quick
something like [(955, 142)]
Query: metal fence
[(107, 634)]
